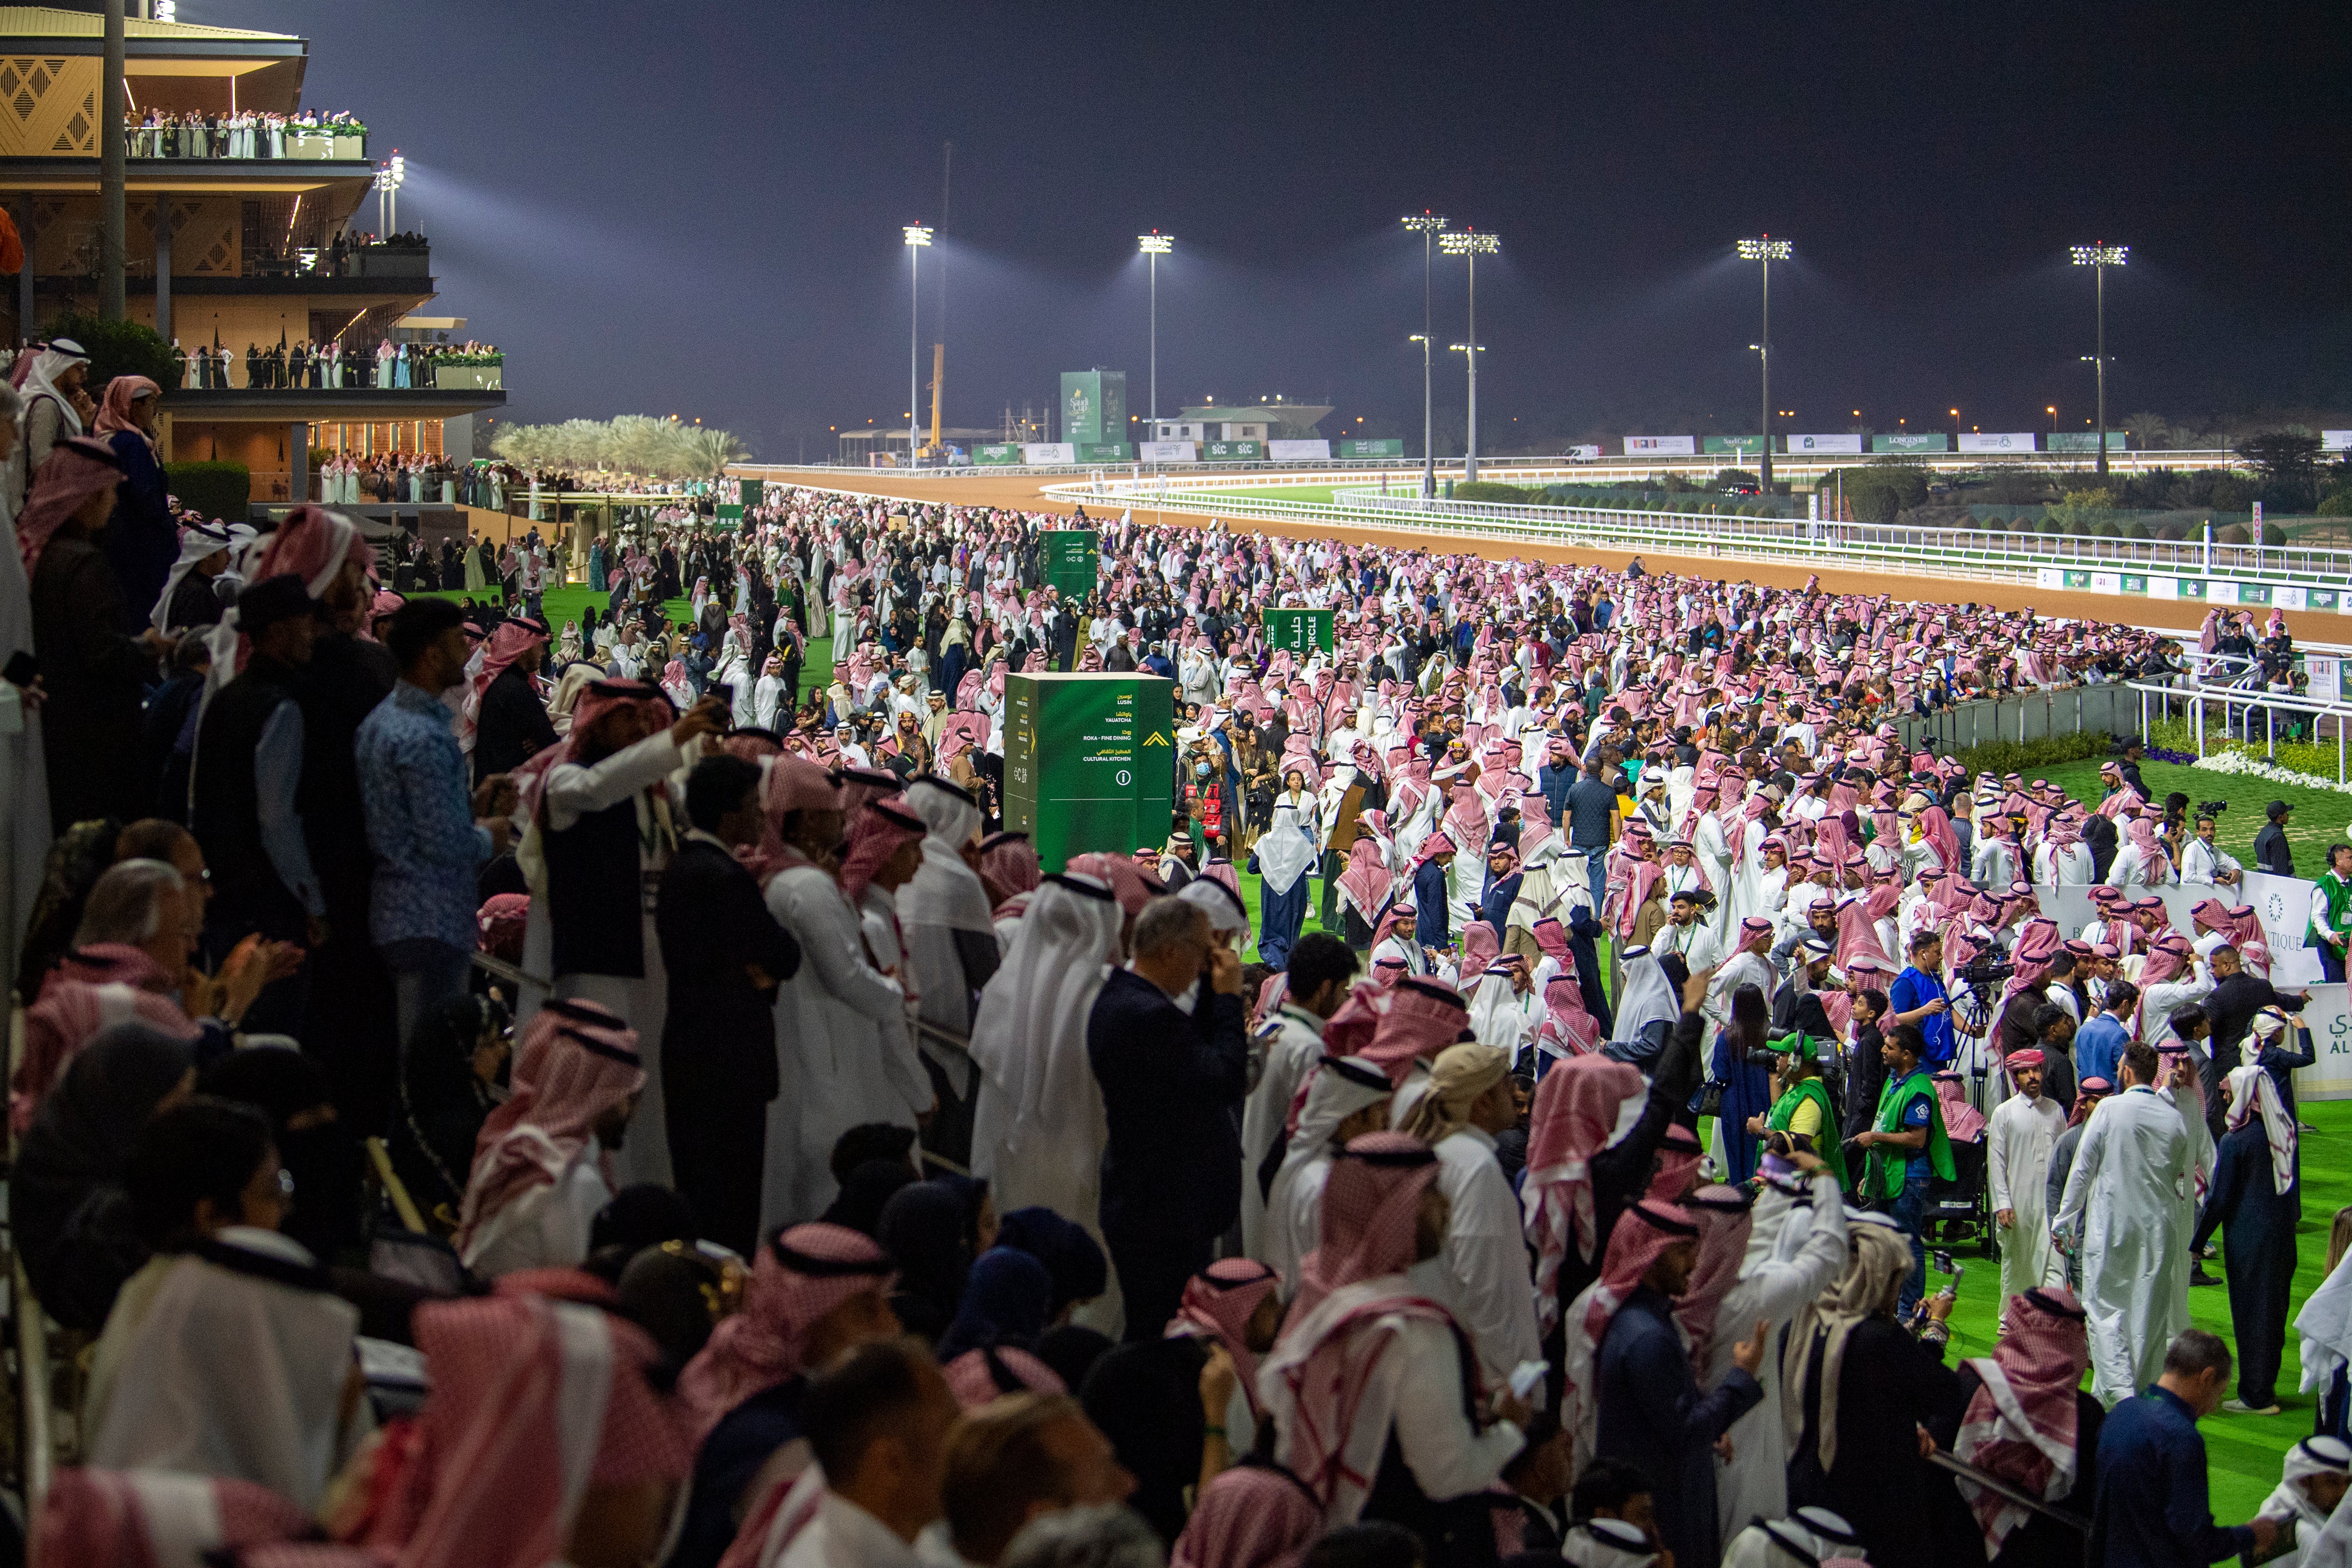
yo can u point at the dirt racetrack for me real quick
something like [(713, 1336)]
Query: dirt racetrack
[(1023, 492)]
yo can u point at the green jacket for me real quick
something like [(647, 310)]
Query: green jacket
[(2338, 895), (1826, 1143), (1883, 1174)]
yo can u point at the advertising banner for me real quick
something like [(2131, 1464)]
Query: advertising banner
[(1981, 441), (1233, 451), (2329, 1076), (1105, 452), (1371, 446), (1094, 405), (997, 452), (1299, 451), (1801, 444), (1661, 446), (1049, 452), (1733, 444), (1910, 443), (1167, 451), (2336, 440), (2326, 674), (1069, 558), (1089, 763), (1300, 631), (2084, 441)]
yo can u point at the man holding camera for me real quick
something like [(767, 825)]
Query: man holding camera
[(2202, 861), (1917, 998)]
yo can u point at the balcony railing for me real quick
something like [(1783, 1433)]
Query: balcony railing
[(253, 136), (268, 371)]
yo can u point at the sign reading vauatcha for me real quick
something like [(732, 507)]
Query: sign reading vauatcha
[(1089, 763)]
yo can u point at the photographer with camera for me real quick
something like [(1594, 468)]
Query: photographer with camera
[(1917, 998), (2204, 862)]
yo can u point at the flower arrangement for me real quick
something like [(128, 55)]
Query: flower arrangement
[(2247, 765)]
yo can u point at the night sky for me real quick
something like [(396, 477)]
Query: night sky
[(694, 207)]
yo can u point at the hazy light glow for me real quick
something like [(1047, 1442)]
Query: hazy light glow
[(918, 233), (1156, 243), (2101, 254), (1767, 249), (1425, 223)]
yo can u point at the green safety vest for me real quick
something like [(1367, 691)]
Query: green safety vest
[(1882, 1175), (1826, 1142), (2338, 894)]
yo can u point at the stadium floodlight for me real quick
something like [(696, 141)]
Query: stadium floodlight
[(2099, 258), (1470, 245), (1766, 250), (1155, 244), (917, 236), (1428, 224)]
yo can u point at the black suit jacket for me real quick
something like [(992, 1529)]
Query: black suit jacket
[(720, 1035), (1171, 1087)]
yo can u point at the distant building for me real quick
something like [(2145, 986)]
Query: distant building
[(246, 220), (1276, 421)]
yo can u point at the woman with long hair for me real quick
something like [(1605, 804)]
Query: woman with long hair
[(1737, 1066)]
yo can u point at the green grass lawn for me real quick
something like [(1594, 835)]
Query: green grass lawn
[(564, 605), (2320, 814), (2243, 1451)]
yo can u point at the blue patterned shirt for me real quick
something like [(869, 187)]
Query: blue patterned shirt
[(420, 821)]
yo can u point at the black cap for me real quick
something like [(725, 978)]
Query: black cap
[(2276, 809), (271, 600)]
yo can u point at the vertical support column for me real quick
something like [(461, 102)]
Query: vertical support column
[(163, 266), (111, 220), (27, 329), (298, 456)]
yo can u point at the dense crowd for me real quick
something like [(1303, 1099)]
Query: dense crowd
[(328, 365), (495, 1093)]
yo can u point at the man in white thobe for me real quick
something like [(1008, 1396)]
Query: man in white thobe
[(2019, 1138), (1468, 1101), (1287, 1045), (2126, 1213)]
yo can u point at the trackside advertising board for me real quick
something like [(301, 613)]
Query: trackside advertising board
[(1661, 446)]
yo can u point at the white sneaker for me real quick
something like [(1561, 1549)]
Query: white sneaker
[(2239, 1407)]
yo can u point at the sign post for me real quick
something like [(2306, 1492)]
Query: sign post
[(1067, 559), (1300, 631), (1089, 763)]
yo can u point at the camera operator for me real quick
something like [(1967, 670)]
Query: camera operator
[(2204, 861), (1919, 999)]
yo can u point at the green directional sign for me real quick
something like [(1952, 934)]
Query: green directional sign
[(1067, 561), (1089, 763), (1300, 631)]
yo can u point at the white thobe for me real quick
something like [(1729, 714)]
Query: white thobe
[(1809, 1255), (1486, 1256), (2070, 867), (844, 1535), (1294, 1219), (1994, 864), (2128, 1210), (1505, 1017), (2019, 1137), (843, 1056), (1292, 1043), (546, 1225)]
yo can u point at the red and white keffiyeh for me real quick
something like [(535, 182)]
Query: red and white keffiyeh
[(2021, 1425), (1583, 1106)]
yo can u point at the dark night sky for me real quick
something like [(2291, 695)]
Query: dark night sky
[(694, 207)]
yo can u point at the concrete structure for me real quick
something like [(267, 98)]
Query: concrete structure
[(240, 237)]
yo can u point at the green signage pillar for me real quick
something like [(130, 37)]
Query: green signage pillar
[(1300, 631), (1094, 407), (1068, 560), (1089, 763)]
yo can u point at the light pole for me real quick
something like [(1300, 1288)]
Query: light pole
[(2099, 258), (1472, 244), (1427, 225), (1155, 246), (389, 178), (1768, 250), (918, 237)]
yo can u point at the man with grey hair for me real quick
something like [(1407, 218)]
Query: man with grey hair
[(1171, 1083), (1108, 1535), (2151, 1509)]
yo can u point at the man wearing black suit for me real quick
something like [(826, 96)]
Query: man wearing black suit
[(725, 955), (1171, 1085)]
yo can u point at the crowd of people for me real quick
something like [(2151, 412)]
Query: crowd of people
[(500, 1094), (245, 133), (327, 365)]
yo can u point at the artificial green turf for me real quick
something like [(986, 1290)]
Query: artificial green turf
[(564, 605), (2244, 1452)]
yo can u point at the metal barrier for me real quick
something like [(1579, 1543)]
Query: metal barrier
[(2245, 703), (2026, 716)]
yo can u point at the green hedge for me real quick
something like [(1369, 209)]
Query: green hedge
[(1495, 494), (118, 348), (2001, 757), (223, 491)]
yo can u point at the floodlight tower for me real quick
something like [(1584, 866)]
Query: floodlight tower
[(918, 237), (389, 177), (1768, 250), (1426, 225), (2099, 258), (1472, 244), (1155, 244)]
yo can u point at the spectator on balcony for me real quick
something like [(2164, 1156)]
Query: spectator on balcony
[(139, 539)]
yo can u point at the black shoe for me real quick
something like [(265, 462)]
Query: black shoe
[(2197, 1276)]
